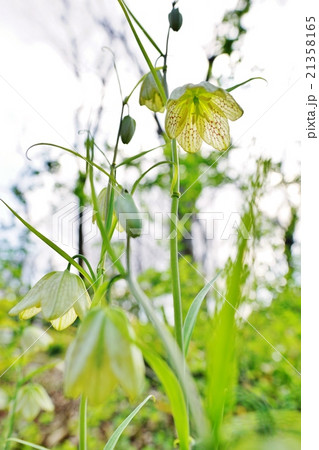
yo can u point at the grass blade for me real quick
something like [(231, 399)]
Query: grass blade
[(175, 394), (193, 312), (29, 444), (111, 443)]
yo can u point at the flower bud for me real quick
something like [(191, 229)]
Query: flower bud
[(128, 126), (61, 296), (31, 398), (101, 203), (150, 95), (128, 215), (175, 19), (102, 356)]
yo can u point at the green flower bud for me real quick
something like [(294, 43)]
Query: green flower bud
[(128, 215), (150, 95), (31, 398), (175, 19), (102, 356), (128, 126), (61, 296), (102, 203)]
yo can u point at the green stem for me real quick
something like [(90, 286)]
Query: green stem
[(106, 246), (110, 186), (110, 284), (11, 417), (83, 424), (165, 62), (176, 288), (86, 262)]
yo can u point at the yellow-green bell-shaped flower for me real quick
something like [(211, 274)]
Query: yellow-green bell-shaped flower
[(31, 399), (150, 95), (102, 356), (200, 112), (61, 296)]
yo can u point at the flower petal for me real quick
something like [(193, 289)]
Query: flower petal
[(32, 299), (190, 139), (175, 118), (214, 130), (64, 321), (178, 92), (227, 104), (28, 313)]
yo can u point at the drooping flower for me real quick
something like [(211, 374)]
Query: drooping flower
[(150, 95), (31, 399), (103, 356), (200, 112), (61, 296)]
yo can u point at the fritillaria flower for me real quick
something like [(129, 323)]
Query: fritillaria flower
[(200, 112), (31, 399), (102, 356), (61, 296), (150, 95)]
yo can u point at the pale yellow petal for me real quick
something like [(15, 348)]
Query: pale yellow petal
[(28, 313), (65, 321), (175, 118), (214, 130), (227, 104), (190, 139)]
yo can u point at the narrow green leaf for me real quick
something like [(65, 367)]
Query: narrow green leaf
[(244, 82), (29, 444), (50, 243), (117, 433), (139, 155), (193, 312), (68, 150), (176, 360), (146, 172), (175, 394)]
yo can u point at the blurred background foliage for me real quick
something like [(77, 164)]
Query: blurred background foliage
[(262, 396)]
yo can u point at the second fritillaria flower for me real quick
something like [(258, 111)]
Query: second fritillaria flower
[(61, 296), (200, 112), (103, 356), (150, 95), (31, 399)]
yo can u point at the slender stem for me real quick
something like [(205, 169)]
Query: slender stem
[(110, 187), (11, 417), (165, 62), (106, 246), (83, 424), (176, 288), (86, 262), (110, 284)]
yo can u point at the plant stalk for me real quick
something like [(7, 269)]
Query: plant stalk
[(83, 423), (176, 287)]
